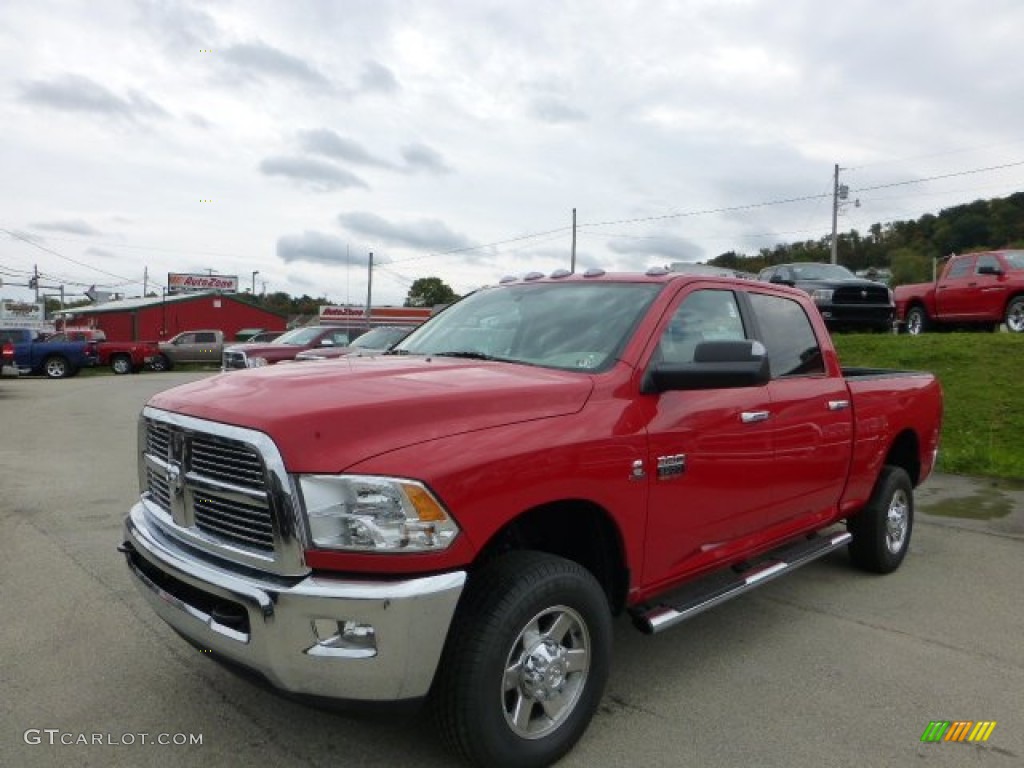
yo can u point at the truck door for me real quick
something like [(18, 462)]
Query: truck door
[(811, 419), (709, 467), (954, 292), (989, 297), (207, 350)]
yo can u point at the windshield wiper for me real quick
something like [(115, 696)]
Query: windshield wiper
[(467, 355)]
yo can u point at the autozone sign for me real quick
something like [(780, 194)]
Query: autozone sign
[(180, 282), (378, 315)]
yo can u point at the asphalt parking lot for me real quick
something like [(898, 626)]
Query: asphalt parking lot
[(827, 667)]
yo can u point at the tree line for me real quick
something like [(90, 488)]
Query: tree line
[(907, 248)]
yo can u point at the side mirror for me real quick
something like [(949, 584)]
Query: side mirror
[(716, 365), (780, 280)]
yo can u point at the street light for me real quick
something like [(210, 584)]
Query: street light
[(255, 272)]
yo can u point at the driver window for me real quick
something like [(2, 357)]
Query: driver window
[(705, 315)]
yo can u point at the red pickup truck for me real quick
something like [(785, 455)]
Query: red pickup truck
[(978, 290), (122, 356), (461, 518)]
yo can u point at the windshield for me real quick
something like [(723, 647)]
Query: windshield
[(570, 326), (380, 338), (298, 336), (1014, 259), (822, 272)]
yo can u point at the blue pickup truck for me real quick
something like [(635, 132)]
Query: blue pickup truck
[(29, 352)]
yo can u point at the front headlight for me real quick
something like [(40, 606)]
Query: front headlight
[(255, 362), (375, 514), (822, 295)]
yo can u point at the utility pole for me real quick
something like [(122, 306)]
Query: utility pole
[(145, 281), (835, 215), (35, 280), (572, 263), (254, 273), (369, 287)]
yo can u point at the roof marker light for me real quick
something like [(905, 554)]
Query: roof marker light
[(560, 273), (534, 276), (594, 272), (508, 279), (656, 272)]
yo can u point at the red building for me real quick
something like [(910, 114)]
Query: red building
[(161, 318)]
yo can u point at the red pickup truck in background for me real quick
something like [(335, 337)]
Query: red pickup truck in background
[(122, 356), (462, 517), (979, 290)]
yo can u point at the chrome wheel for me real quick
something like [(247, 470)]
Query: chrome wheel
[(545, 672), (915, 321), (56, 368), (897, 522), (121, 365), (1015, 316)]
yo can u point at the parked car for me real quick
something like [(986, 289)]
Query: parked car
[(31, 352), (974, 290), (373, 342), (461, 519), (122, 356), (846, 302), (288, 345), (263, 337), (205, 346)]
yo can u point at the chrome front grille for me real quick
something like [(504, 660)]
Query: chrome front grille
[(221, 488), (233, 360), (232, 520), (227, 461)]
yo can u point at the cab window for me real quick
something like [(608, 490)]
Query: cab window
[(788, 336), (704, 315)]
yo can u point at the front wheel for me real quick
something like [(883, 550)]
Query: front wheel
[(160, 363), (1015, 315), (525, 663), (881, 531), (917, 321)]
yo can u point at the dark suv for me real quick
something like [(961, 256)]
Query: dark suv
[(844, 300)]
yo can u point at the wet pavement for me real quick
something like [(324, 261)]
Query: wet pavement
[(984, 504)]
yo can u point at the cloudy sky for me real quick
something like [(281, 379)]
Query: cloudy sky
[(453, 138)]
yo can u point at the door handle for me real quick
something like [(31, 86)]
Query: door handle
[(752, 417), (838, 405)]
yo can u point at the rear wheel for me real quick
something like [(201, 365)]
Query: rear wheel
[(525, 663), (1015, 315), (56, 367), (917, 321), (121, 364), (881, 531)]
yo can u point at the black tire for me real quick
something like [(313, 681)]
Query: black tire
[(121, 364), (530, 628), (56, 367), (881, 531), (1015, 315), (917, 320), (161, 363)]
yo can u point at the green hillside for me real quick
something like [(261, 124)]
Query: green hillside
[(982, 378)]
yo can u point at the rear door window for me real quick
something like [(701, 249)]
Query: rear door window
[(793, 348)]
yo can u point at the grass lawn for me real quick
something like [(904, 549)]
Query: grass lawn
[(982, 376)]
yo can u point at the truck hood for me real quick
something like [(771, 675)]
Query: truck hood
[(326, 416)]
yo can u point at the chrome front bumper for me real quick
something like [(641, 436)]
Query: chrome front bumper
[(280, 627)]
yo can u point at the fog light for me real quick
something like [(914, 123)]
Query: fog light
[(343, 638)]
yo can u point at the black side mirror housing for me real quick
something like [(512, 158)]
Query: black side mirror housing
[(716, 365)]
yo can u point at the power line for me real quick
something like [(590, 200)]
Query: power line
[(67, 258)]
